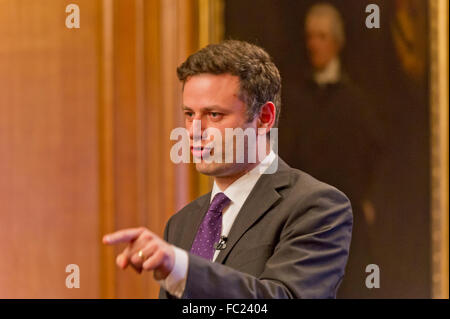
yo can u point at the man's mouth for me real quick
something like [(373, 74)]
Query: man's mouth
[(200, 151)]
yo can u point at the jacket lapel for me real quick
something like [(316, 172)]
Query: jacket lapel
[(263, 196), (193, 221)]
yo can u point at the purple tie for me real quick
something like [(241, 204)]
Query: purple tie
[(210, 229)]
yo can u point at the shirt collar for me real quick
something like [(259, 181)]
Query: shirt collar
[(239, 190), (331, 73)]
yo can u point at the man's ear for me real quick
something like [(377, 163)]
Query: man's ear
[(266, 118)]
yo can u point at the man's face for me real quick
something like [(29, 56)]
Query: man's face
[(214, 101), (321, 45)]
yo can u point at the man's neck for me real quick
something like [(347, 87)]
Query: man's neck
[(224, 181)]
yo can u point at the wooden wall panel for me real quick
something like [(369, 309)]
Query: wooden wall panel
[(48, 149), (85, 120), (438, 83), (129, 284), (153, 87), (106, 147), (169, 39), (150, 39)]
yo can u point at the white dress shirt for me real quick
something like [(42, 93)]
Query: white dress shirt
[(237, 192)]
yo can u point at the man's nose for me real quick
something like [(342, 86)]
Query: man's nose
[(311, 45), (196, 129)]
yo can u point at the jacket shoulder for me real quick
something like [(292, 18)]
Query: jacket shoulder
[(303, 185), (190, 207)]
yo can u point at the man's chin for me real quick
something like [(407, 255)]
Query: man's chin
[(213, 169)]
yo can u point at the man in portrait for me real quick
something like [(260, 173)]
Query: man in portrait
[(329, 133)]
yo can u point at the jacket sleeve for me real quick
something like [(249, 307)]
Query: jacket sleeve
[(163, 294)]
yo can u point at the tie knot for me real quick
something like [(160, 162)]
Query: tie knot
[(219, 202)]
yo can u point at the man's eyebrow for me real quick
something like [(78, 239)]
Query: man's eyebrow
[(209, 108)]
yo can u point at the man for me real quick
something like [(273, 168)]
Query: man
[(256, 235), (325, 38), (329, 132)]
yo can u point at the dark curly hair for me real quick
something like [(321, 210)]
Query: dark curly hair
[(259, 78)]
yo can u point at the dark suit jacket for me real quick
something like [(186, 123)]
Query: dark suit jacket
[(290, 239)]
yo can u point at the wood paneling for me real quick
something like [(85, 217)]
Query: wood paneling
[(126, 135), (438, 82), (85, 120), (169, 26), (106, 147), (48, 149)]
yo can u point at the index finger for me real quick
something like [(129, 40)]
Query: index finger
[(122, 236)]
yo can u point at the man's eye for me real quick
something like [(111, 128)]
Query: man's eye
[(188, 114), (214, 114)]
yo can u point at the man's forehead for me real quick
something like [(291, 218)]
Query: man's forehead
[(210, 89), (319, 23)]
